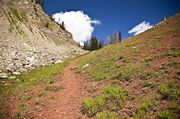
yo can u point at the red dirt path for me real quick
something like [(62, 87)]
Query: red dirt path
[(67, 102)]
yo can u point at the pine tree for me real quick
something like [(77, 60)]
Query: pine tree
[(101, 44), (86, 45), (94, 43)]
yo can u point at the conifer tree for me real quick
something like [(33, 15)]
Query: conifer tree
[(94, 43)]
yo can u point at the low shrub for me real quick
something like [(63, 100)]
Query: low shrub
[(112, 98)]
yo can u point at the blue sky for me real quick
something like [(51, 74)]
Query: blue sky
[(116, 15)]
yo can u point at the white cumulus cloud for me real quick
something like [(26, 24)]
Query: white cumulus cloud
[(79, 24), (140, 28)]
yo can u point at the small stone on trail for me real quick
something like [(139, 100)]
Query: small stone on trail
[(17, 80), (85, 65), (7, 84), (73, 68)]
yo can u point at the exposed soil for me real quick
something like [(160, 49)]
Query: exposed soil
[(67, 102), (141, 90)]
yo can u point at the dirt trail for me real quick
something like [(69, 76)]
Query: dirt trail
[(67, 102)]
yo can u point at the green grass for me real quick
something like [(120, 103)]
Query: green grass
[(19, 115), (109, 72), (23, 107), (25, 96), (173, 63), (164, 91), (20, 15), (20, 86), (106, 68), (107, 115), (14, 16), (3, 109), (92, 89), (125, 59), (127, 73), (170, 90), (87, 59), (93, 106), (148, 59), (111, 99), (167, 114), (147, 64), (54, 88), (149, 84), (173, 52), (33, 77), (22, 113), (42, 93), (149, 104), (147, 75)]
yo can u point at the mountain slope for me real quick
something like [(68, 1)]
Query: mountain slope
[(138, 77), (29, 38)]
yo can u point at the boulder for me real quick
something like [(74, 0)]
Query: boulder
[(3, 75), (16, 73), (58, 61)]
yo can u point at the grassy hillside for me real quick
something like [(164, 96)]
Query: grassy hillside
[(139, 77), (18, 93)]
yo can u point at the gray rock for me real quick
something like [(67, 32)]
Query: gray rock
[(9, 70), (86, 65), (12, 77), (38, 46), (3, 76), (58, 61), (16, 73)]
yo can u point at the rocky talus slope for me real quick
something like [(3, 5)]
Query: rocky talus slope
[(29, 38)]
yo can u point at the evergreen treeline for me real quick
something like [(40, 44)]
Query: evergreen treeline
[(93, 44)]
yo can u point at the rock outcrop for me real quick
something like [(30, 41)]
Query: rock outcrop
[(29, 38)]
